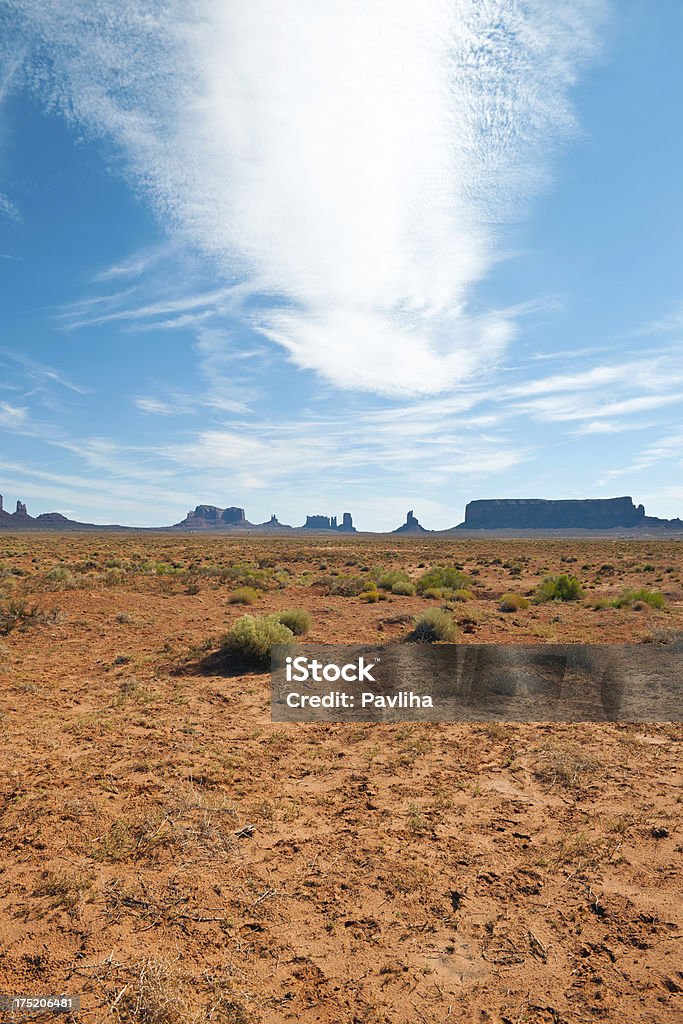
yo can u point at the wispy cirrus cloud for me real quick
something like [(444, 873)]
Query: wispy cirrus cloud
[(351, 161), (604, 399), (8, 208), (12, 416)]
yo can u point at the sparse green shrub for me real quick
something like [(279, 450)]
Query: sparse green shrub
[(60, 574), (462, 595), (243, 595), (395, 577), (113, 577), (373, 596), (432, 625), (442, 578), (639, 598), (513, 603), (240, 574), (348, 586), (403, 588), (296, 619), (559, 588), (156, 568), (252, 637), (16, 614)]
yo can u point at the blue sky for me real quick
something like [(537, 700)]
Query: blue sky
[(367, 257)]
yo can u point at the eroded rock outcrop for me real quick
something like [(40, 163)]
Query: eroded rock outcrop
[(273, 524), (411, 525)]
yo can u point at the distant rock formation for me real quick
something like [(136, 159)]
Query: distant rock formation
[(273, 524), (211, 517), (411, 525), (572, 514), (317, 523), (608, 514), (330, 523), (21, 520)]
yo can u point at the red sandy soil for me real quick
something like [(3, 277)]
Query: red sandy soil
[(170, 855)]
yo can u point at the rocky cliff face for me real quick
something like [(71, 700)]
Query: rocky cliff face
[(539, 514)]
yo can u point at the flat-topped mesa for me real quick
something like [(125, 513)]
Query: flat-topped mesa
[(411, 525), (330, 523), (543, 514), (207, 516)]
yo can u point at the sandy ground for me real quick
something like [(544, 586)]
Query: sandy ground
[(170, 855)]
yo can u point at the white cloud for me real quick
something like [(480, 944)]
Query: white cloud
[(413, 442), (12, 416), (351, 159), (155, 406), (574, 407), (8, 208)]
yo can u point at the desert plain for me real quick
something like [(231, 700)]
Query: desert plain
[(170, 855)]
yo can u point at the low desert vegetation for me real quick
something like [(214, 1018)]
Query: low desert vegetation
[(394, 578), (639, 599), (296, 619), (513, 603), (559, 588), (403, 588), (636, 599), (442, 581), (436, 624), (15, 614), (244, 595), (252, 637), (347, 586), (565, 765)]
